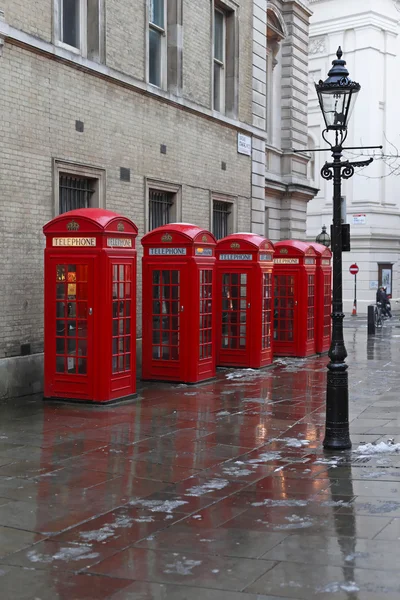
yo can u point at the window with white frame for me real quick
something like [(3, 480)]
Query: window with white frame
[(223, 215), (77, 186), (275, 35), (219, 60), (163, 204), (225, 55), (157, 42), (79, 27)]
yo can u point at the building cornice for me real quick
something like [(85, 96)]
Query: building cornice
[(28, 42), (354, 21)]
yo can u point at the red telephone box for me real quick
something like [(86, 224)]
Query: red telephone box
[(178, 304), (244, 301), (323, 298), (90, 306), (294, 298)]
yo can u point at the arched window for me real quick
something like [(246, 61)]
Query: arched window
[(276, 32)]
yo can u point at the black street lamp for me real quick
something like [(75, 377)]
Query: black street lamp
[(337, 96), (323, 238)]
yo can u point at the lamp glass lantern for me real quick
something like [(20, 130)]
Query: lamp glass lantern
[(337, 95), (323, 238)]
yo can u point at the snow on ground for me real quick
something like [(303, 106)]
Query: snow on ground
[(182, 567), (162, 506), (74, 553), (381, 448), (209, 486), (241, 373)]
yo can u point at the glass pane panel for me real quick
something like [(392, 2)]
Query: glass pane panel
[(70, 22), (157, 12), (60, 345), (82, 366), (60, 290), (219, 35), (60, 328), (71, 364), (155, 44), (60, 310), (82, 347), (60, 364)]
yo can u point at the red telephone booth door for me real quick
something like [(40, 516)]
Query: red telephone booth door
[(285, 311), (71, 326), (166, 321), (234, 315)]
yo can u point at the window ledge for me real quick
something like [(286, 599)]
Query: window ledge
[(25, 40)]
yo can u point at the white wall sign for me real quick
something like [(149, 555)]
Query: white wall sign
[(373, 285), (359, 219), (244, 144)]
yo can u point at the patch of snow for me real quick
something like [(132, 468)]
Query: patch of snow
[(351, 557), (236, 471), (265, 457), (327, 461), (293, 584), (198, 517), (206, 540), (241, 373), (223, 413), (295, 522), (107, 530), (182, 567), (73, 553), (269, 502), (373, 475), (335, 586), (333, 503), (381, 448), (215, 571), (112, 451), (209, 486), (292, 442), (161, 506), (148, 519)]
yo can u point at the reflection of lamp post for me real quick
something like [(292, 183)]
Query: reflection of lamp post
[(337, 96), (323, 238)]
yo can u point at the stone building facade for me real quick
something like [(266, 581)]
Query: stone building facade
[(158, 109), (370, 42)]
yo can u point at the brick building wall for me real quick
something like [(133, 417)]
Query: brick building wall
[(46, 90)]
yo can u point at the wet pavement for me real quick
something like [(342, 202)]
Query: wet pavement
[(213, 492)]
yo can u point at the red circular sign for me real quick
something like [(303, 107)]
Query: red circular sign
[(354, 269)]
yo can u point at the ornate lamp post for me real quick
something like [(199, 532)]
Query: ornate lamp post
[(323, 238), (337, 96)]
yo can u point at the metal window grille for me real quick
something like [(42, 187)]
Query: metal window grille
[(160, 208), (221, 214), (75, 192)]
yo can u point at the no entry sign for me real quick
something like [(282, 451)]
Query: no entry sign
[(354, 269)]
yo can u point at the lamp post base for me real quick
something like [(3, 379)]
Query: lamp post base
[(337, 434)]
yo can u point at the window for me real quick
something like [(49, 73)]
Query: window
[(225, 51), (157, 43), (385, 277), (163, 202), (160, 208), (79, 26), (223, 215), (219, 60), (75, 192), (77, 186), (276, 32)]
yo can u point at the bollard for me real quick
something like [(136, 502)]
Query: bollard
[(371, 320)]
